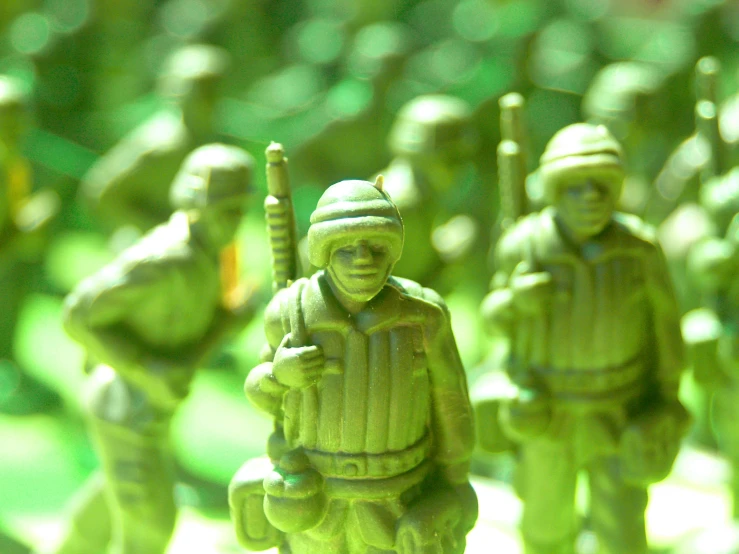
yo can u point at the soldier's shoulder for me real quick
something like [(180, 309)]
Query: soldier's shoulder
[(413, 290), (280, 300), (522, 234), (166, 245), (635, 230), (276, 316)]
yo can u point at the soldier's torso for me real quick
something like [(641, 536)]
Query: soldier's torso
[(374, 395), (181, 305), (599, 321)]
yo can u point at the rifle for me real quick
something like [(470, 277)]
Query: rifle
[(283, 243), (512, 160)]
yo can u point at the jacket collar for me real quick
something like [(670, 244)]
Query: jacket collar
[(323, 312)]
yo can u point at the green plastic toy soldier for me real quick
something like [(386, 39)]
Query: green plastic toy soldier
[(433, 141), (129, 185), (596, 354), (362, 374), (24, 221), (150, 317)]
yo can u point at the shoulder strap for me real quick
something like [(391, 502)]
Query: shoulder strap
[(529, 242), (298, 333)]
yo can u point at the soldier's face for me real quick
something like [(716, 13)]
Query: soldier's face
[(585, 207), (360, 268), (222, 222)]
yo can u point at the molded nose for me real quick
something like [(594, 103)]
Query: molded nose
[(362, 253)]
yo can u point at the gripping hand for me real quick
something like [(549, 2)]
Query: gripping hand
[(297, 367)]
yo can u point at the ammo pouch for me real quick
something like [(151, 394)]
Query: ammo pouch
[(486, 396), (246, 501), (650, 443), (432, 524), (702, 331)]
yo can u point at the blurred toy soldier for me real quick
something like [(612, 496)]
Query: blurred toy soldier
[(362, 372), (433, 141), (373, 65), (150, 317), (128, 186), (24, 219), (629, 99), (596, 353)]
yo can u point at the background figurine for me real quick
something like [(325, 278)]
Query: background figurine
[(595, 350), (129, 186), (150, 317), (362, 374), (431, 179), (24, 221)]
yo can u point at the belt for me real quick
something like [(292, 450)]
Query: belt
[(363, 465), (594, 384)]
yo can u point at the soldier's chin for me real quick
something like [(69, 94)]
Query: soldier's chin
[(363, 295), (363, 292), (592, 227)]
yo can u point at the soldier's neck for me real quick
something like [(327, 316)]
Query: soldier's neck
[(350, 305)]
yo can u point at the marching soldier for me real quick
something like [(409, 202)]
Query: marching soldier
[(149, 318), (584, 296)]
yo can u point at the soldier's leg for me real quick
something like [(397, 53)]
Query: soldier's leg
[(89, 529), (140, 487), (616, 509), (546, 479)]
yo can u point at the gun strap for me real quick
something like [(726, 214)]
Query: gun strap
[(298, 333)]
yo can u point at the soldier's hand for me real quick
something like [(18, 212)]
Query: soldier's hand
[(532, 291), (527, 415), (297, 367), (650, 444)]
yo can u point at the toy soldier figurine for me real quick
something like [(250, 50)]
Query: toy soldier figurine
[(363, 376), (129, 184), (595, 350), (150, 317), (24, 221), (433, 141)]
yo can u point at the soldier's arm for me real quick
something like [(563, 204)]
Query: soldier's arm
[(95, 311), (261, 387), (497, 309), (452, 421), (666, 321), (226, 323)]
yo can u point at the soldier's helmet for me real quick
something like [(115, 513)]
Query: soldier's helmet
[(435, 125), (353, 209), (578, 152), (212, 175), (617, 90)]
